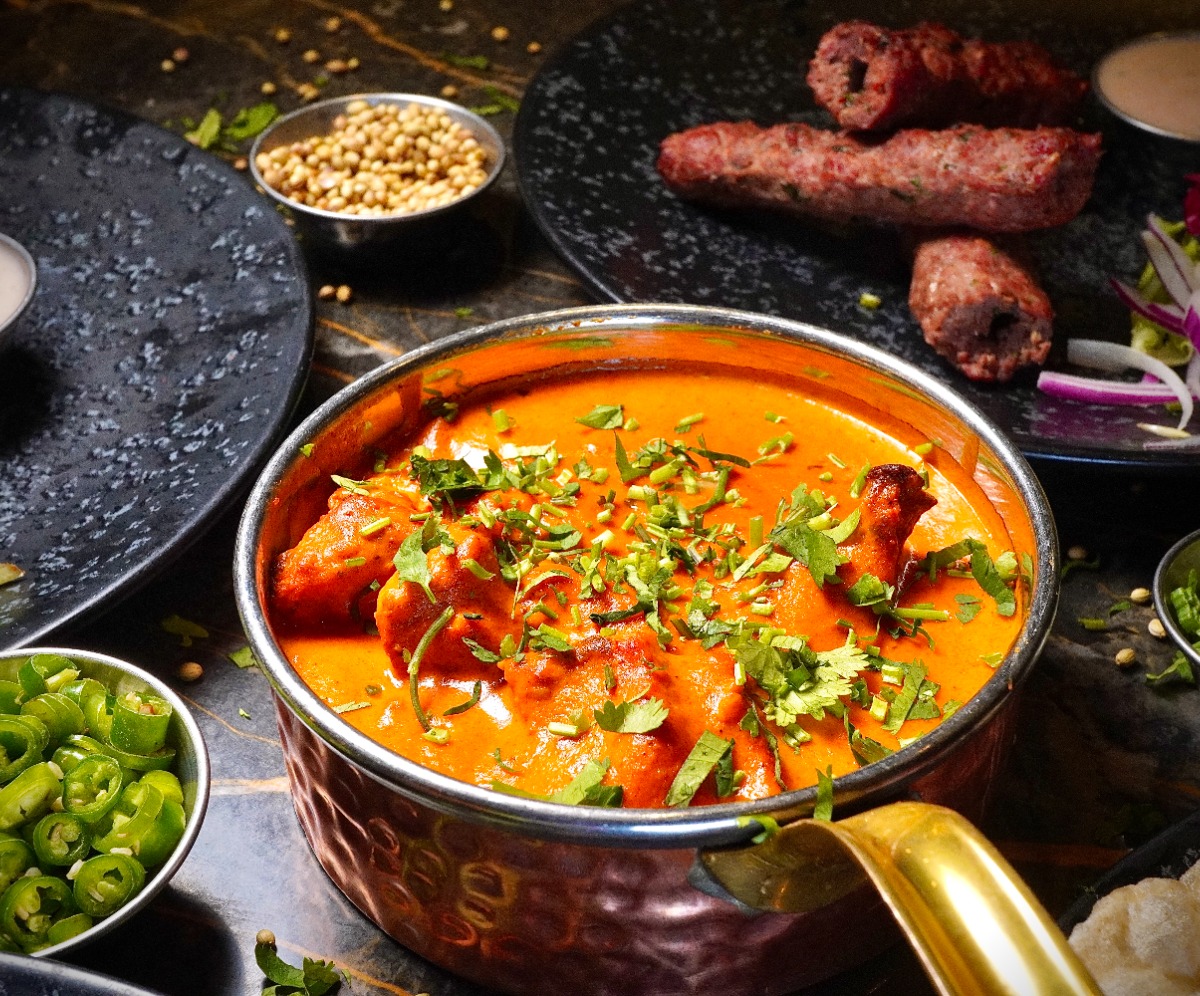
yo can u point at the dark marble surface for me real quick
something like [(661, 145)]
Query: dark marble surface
[(1103, 759)]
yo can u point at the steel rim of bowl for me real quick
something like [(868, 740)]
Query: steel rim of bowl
[(476, 125), (1164, 581), (715, 825), (166, 871), (1119, 111), (30, 265)]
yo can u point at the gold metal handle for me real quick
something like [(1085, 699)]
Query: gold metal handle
[(977, 928)]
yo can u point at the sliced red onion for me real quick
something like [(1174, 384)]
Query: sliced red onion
[(1099, 355), (1191, 320), (1099, 391), (1176, 271), (1169, 316)]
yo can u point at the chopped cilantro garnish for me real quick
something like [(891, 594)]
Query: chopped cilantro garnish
[(631, 717), (604, 417), (703, 758), (243, 657), (823, 810)]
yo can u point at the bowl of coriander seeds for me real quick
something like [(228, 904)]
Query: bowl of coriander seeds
[(369, 168)]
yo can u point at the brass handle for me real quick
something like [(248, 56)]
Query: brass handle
[(975, 925)]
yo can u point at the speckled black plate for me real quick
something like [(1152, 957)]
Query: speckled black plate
[(163, 352), (1168, 855), (587, 137), (21, 975)]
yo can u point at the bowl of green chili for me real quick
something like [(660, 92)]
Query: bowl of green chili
[(1177, 598), (104, 780)]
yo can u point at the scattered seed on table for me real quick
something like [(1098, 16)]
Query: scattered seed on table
[(446, 5), (1140, 596), (1077, 553), (500, 33), (180, 54), (311, 55), (352, 62), (449, 90), (241, 164), (326, 292), (336, 66), (268, 88), (343, 293), (333, 24), (533, 47), (283, 35), (308, 92), (190, 671), (167, 66), (1156, 628), (1125, 657)]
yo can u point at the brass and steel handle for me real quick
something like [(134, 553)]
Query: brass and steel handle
[(975, 925)]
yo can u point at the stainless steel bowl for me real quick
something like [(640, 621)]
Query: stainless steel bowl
[(531, 897), (191, 766), (28, 267), (1172, 573), (339, 231)]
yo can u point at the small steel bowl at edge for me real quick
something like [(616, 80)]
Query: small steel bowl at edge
[(191, 767), (1172, 573), (340, 231)]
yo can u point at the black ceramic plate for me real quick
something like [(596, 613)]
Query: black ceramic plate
[(1168, 855), (162, 354), (21, 975), (587, 137)]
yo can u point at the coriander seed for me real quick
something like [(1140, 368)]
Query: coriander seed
[(190, 671), (1140, 596), (1156, 628), (1125, 657), (500, 33), (343, 293), (1077, 552), (265, 936), (326, 292), (283, 36)]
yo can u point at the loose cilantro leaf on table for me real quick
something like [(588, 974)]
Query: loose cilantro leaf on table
[(313, 978)]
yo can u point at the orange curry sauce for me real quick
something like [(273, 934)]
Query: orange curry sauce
[(544, 665)]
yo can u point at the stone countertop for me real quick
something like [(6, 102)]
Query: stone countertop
[(1103, 758)]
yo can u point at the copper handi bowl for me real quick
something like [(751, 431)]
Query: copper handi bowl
[(533, 897)]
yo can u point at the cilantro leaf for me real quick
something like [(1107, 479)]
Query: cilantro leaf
[(207, 131), (185, 629), (631, 717), (249, 122), (444, 478), (823, 810), (314, 978), (705, 756), (412, 564), (604, 417)]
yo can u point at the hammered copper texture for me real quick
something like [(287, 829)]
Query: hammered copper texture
[(527, 916)]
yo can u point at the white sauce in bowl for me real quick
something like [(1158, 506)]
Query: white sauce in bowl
[(1154, 82), (17, 276)]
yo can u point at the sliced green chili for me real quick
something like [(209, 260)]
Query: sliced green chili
[(92, 787), (46, 673), (16, 858), (61, 716), (139, 722), (21, 745), (68, 927), (61, 839), (31, 906), (105, 883), (29, 795)]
